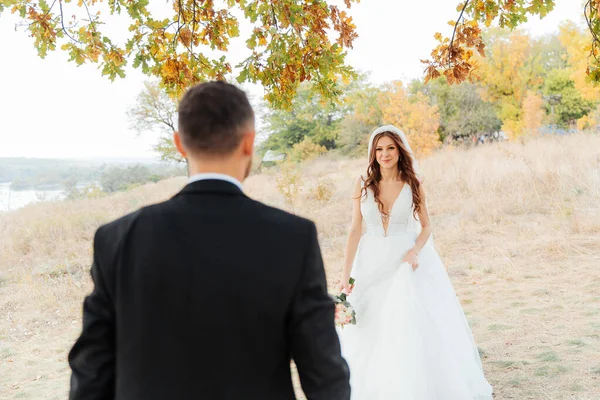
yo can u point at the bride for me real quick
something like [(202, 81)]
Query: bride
[(412, 340)]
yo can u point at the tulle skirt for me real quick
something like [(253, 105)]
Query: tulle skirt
[(412, 340)]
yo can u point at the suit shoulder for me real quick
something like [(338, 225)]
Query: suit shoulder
[(119, 227), (281, 216)]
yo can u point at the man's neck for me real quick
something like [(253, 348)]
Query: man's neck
[(222, 167)]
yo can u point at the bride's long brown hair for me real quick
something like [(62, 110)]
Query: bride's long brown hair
[(405, 167)]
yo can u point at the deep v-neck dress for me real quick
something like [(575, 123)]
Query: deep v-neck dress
[(412, 340)]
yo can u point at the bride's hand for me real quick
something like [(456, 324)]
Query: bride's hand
[(412, 258), (345, 287)]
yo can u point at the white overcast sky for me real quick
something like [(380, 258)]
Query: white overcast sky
[(52, 108)]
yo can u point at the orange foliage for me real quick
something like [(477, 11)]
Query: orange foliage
[(578, 47), (533, 113), (418, 119)]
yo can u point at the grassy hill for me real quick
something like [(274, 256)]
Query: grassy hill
[(517, 225)]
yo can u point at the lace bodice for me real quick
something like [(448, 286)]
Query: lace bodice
[(401, 216)]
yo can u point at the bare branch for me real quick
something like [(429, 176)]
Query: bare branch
[(274, 17), (62, 22), (88, 12), (179, 26), (457, 22), (193, 28), (50, 9)]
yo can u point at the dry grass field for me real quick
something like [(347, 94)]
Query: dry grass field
[(517, 224)]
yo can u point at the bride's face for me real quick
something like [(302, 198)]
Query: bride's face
[(387, 152)]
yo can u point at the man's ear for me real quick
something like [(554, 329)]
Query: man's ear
[(179, 145), (248, 143)]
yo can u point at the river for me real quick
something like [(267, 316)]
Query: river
[(11, 200)]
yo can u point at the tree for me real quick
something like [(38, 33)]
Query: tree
[(156, 111), (343, 124), (117, 178), (533, 113), (90, 191), (571, 105), (576, 48), (553, 53), (463, 113), (455, 57), (363, 116), (306, 150), (289, 42), (309, 116), (418, 119), (474, 116), (590, 121), (70, 188), (513, 66)]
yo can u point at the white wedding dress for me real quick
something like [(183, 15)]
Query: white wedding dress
[(412, 340)]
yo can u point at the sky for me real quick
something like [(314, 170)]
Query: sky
[(51, 108)]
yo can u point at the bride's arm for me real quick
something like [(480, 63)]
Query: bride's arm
[(425, 224), (353, 236)]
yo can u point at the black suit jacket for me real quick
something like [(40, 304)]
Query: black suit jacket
[(207, 296)]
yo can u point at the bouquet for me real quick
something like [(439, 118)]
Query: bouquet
[(344, 312)]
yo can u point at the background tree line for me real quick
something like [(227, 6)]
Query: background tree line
[(524, 86), (82, 178), (121, 178)]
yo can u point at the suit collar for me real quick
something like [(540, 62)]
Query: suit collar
[(214, 186), (213, 175)]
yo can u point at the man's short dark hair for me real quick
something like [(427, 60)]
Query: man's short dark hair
[(212, 117)]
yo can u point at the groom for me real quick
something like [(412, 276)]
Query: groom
[(210, 294)]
